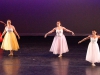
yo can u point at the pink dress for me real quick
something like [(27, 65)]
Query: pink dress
[(59, 44), (93, 53)]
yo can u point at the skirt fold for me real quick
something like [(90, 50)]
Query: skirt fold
[(93, 53), (59, 45)]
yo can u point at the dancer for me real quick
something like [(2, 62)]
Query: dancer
[(59, 45), (10, 40), (93, 53)]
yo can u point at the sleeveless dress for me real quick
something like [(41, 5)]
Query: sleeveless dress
[(59, 44), (10, 40), (93, 53)]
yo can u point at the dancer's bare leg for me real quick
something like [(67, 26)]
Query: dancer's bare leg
[(11, 53), (60, 54)]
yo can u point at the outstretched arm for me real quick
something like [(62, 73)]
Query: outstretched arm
[(84, 39), (49, 32), (16, 32), (67, 30), (3, 23)]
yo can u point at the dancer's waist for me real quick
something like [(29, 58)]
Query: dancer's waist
[(9, 31), (93, 42), (59, 35)]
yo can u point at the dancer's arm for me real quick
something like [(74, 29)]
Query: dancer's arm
[(84, 39), (49, 32), (98, 36), (16, 32), (3, 33), (67, 30), (3, 23)]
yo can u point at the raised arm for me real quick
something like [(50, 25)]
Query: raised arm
[(49, 32), (67, 30), (3, 23), (16, 32), (84, 39)]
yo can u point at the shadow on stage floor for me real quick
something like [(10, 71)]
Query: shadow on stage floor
[(34, 58)]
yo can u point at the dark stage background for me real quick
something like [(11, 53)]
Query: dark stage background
[(36, 17)]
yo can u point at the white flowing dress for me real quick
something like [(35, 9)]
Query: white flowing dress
[(93, 53)]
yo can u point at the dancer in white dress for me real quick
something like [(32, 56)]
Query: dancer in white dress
[(59, 45), (93, 53)]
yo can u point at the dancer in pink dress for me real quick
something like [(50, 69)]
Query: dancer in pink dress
[(59, 45), (93, 53)]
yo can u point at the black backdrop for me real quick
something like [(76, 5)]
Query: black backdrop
[(36, 17)]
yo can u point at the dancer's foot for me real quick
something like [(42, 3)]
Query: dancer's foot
[(93, 65), (60, 56), (10, 55)]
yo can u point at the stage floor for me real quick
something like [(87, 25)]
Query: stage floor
[(34, 58)]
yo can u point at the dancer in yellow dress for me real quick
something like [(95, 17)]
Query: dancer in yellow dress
[(10, 41)]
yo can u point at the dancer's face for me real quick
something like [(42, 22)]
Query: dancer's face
[(94, 32), (58, 24), (9, 22)]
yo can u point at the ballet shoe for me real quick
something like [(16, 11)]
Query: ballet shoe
[(93, 65), (10, 55), (60, 56)]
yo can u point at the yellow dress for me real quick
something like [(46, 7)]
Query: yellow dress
[(10, 41)]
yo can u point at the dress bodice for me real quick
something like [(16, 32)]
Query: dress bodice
[(59, 32), (9, 29), (93, 40)]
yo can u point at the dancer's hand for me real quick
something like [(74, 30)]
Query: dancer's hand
[(18, 37), (73, 34), (0, 21), (45, 36), (79, 42)]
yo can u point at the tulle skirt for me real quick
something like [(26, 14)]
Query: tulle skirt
[(59, 45), (93, 53), (10, 42)]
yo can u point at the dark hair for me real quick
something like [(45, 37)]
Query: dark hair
[(8, 20), (59, 21), (94, 31)]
